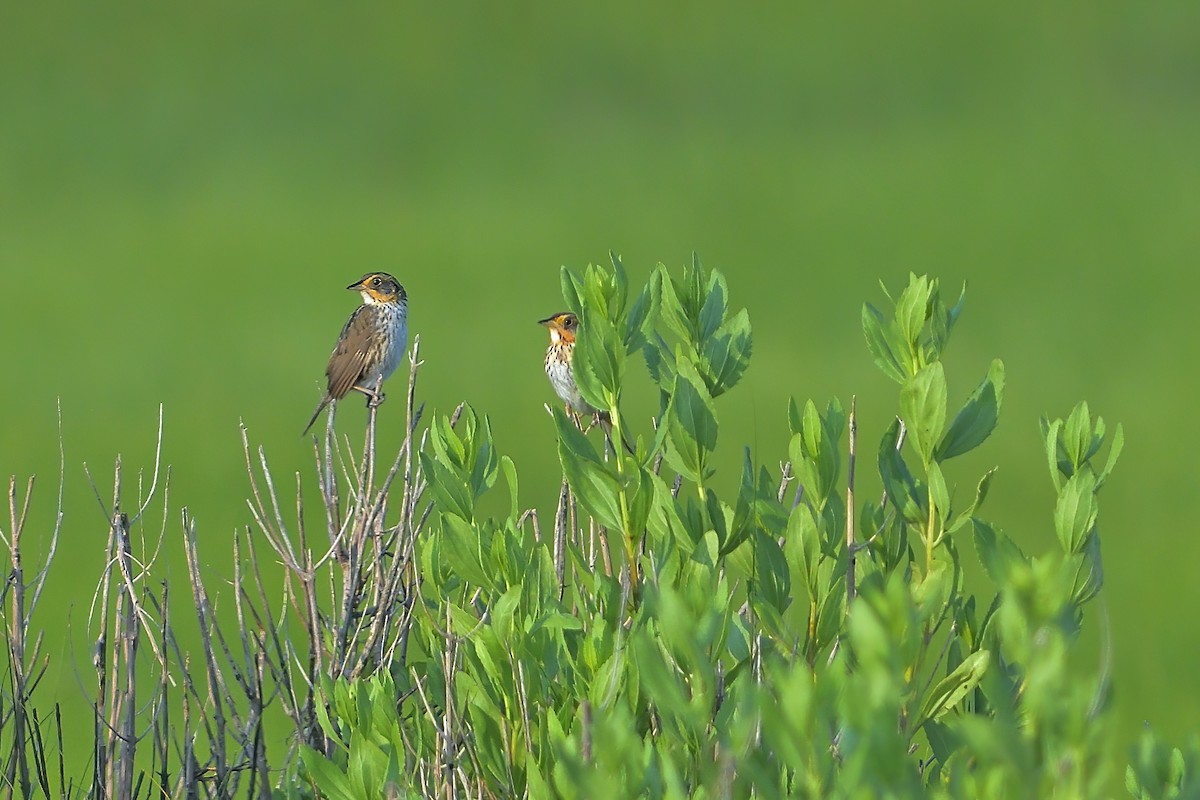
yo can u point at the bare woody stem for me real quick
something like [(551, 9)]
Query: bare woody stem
[(851, 544)]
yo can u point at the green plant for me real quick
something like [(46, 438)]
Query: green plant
[(787, 640), (367, 753)]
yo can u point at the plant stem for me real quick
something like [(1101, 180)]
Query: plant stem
[(629, 534)]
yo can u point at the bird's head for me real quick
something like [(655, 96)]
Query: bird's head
[(562, 326), (378, 287)]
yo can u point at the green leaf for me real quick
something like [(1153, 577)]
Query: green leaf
[(923, 407), (802, 545), (997, 552), (595, 486), (461, 551), (599, 360), (1050, 433), (674, 314), (1075, 512), (1114, 451), (450, 494), (978, 416), (882, 343), (932, 591), (912, 310), (713, 310), (968, 513), (571, 289), (725, 354), (620, 286), (693, 425), (640, 320), (330, 780), (772, 581), (938, 493), (941, 322), (795, 425), (658, 679), (954, 687), (1077, 434), (898, 482), (510, 478)]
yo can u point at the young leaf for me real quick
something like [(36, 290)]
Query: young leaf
[(1050, 433), (571, 289), (1114, 451), (912, 310), (450, 493), (938, 491), (923, 406), (882, 343), (1075, 512), (713, 310), (1077, 434)]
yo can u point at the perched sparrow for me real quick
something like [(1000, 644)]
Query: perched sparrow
[(559, 369), (371, 343)]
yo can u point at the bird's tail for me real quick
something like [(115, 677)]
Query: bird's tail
[(317, 413)]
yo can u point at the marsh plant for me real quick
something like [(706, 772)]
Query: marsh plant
[(648, 637)]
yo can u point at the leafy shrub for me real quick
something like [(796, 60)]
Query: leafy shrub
[(658, 640)]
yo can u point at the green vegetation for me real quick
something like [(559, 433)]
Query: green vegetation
[(790, 639), (185, 190), (780, 642)]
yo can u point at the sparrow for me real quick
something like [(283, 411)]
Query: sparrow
[(371, 344), (563, 327)]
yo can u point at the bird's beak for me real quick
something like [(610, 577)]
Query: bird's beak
[(355, 286), (548, 321)]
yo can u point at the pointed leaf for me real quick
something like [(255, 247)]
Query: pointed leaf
[(923, 406), (693, 425), (1114, 452), (591, 479), (978, 416), (882, 344), (726, 353), (1075, 512), (997, 552), (954, 687)]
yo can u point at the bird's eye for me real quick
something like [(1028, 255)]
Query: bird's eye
[(570, 323), (376, 282)]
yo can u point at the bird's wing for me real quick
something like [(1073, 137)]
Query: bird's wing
[(349, 358)]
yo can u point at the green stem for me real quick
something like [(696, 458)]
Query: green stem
[(628, 535), (929, 534)]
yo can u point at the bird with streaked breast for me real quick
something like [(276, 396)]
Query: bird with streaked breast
[(563, 328), (371, 344)]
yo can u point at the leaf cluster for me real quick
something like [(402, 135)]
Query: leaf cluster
[(786, 639)]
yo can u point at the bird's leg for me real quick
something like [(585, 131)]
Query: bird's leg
[(575, 417), (374, 396)]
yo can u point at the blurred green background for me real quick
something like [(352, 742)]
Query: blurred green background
[(184, 192)]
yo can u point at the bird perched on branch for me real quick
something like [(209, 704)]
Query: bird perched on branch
[(371, 343), (560, 370)]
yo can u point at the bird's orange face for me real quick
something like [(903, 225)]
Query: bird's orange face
[(378, 287), (562, 327)]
